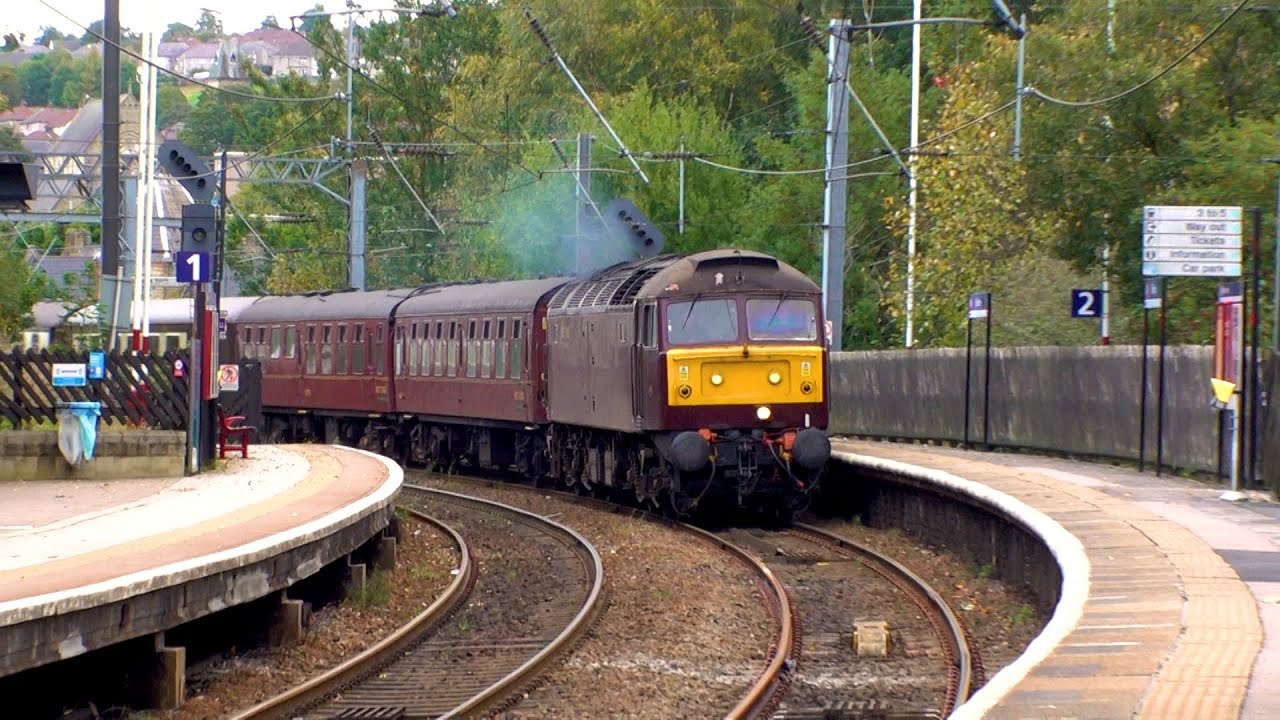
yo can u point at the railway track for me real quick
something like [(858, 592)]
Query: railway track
[(765, 693), (526, 589), (836, 584)]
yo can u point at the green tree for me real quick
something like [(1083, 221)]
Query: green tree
[(208, 25), (50, 36), (9, 140), (18, 294), (177, 31), (34, 79), (171, 105)]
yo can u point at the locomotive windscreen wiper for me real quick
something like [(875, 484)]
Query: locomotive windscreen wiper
[(777, 308), (690, 313)]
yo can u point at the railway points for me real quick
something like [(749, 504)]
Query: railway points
[(1166, 591), (88, 566)]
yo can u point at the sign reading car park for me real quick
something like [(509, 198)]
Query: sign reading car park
[(1191, 241)]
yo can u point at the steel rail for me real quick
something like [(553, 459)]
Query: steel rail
[(315, 690), (964, 669)]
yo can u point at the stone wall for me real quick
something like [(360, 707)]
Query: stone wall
[(1074, 400), (34, 455)]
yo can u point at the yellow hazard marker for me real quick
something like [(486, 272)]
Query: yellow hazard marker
[(1222, 391)]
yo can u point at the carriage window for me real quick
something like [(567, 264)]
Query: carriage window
[(486, 351), (702, 320), (342, 350), (276, 348), (473, 354), (291, 342), (309, 350), (379, 353), (357, 352), (411, 351), (517, 349), (781, 319), (246, 346), (326, 351), (399, 351), (500, 356), (451, 349)]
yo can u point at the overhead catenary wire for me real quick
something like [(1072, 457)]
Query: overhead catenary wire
[(1161, 73), (179, 76), (555, 55), (373, 133)]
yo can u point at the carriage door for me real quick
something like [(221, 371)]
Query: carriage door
[(646, 342)]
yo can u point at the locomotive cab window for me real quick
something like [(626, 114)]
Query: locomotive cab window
[(782, 318), (702, 321), (649, 322)]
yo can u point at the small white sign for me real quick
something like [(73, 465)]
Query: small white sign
[(229, 378), (1191, 269), (1192, 212), (1183, 254), (69, 374)]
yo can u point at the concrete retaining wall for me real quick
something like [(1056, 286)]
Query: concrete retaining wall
[(34, 455), (1076, 400)]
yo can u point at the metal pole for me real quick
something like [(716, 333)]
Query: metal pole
[(1106, 295), (681, 223), (583, 251), (1160, 387), (111, 162), (1142, 403), (1254, 380), (917, 12), (968, 373), (986, 379), (351, 61), (833, 206), (1017, 108), (356, 241), (1275, 280)]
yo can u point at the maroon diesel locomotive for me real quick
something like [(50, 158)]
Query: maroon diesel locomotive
[(674, 378)]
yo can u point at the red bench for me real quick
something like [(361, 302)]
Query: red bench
[(229, 427)]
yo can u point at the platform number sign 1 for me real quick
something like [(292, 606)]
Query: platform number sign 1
[(192, 267), (1086, 303)]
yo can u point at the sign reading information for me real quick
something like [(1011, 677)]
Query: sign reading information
[(1191, 241)]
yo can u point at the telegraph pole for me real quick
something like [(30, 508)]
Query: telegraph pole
[(109, 290)]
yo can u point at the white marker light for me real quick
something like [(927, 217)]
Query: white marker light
[(775, 377), (716, 379), (763, 412)]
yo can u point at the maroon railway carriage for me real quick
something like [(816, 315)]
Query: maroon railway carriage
[(469, 377), (324, 356)]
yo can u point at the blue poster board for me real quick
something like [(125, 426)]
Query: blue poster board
[(97, 365)]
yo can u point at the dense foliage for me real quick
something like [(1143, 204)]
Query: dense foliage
[(741, 85)]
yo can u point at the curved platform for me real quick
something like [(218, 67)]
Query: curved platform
[(87, 565), (1167, 594)]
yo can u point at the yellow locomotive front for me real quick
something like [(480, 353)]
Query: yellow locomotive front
[(746, 395)]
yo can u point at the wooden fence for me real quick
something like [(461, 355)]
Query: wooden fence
[(137, 390)]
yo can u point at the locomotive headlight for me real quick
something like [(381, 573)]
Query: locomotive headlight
[(764, 413), (717, 379), (775, 377)]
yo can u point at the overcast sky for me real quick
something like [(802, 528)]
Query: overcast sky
[(28, 16)]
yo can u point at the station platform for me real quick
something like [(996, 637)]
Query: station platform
[(1171, 596), (84, 565)]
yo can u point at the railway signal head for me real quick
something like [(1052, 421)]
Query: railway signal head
[(199, 228), (627, 222), (185, 166)]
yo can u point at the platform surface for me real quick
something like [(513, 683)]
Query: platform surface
[(67, 546), (1182, 613)]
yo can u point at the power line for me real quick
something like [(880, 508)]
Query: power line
[(1165, 71), (404, 101), (167, 71)]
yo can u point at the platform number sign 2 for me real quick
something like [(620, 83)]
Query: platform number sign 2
[(192, 267), (1086, 303)]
